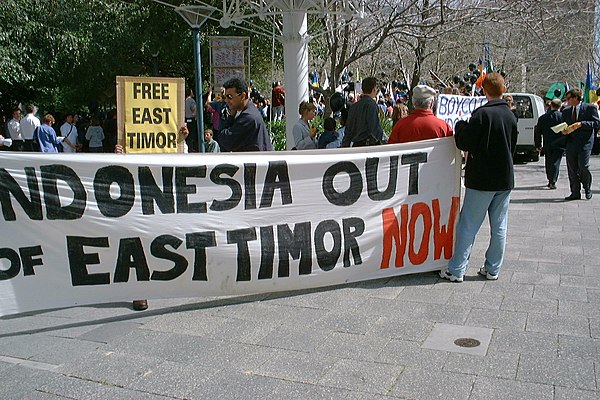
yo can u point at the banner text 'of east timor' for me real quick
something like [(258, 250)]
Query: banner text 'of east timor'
[(96, 228)]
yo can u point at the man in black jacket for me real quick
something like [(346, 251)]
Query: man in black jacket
[(579, 143), (490, 138), (245, 128), (553, 143), (362, 126)]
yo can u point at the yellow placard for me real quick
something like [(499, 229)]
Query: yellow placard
[(150, 112)]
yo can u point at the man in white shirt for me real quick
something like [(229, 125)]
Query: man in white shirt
[(14, 131), (68, 130), (28, 126)]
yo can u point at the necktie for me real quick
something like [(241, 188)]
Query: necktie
[(574, 114)]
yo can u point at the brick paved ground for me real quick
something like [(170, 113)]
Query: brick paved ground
[(370, 340)]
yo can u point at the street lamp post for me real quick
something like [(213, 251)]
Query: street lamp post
[(198, 89), (196, 16)]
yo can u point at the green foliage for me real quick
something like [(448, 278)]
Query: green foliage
[(386, 124), (65, 54), (277, 129)]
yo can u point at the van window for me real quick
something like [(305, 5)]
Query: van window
[(524, 107)]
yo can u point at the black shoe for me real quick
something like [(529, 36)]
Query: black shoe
[(588, 194), (551, 186), (572, 197), (140, 305)]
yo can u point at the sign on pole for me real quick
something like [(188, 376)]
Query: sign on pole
[(150, 112), (229, 58)]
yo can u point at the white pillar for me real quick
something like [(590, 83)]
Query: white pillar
[(295, 64)]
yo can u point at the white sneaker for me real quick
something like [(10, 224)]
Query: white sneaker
[(483, 272), (445, 274)]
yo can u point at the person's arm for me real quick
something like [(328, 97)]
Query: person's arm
[(468, 134), (594, 122), (68, 143), (537, 135), (373, 124), (208, 97)]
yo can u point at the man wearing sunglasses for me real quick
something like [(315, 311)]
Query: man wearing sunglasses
[(245, 129)]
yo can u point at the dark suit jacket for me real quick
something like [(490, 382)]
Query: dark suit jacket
[(247, 132), (590, 122), (543, 129)]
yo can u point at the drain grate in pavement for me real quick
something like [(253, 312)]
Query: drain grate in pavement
[(459, 339), (467, 342)]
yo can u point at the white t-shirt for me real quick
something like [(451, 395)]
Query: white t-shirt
[(190, 108), (69, 132), (14, 129), (28, 125)]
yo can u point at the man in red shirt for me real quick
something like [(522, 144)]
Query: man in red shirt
[(421, 123), (278, 101)]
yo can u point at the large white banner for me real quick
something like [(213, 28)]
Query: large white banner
[(453, 108), (92, 228)]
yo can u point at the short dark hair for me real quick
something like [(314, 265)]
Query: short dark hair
[(329, 124), (575, 92), (368, 84), (236, 83), (30, 108)]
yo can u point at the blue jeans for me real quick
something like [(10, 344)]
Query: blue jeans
[(475, 206)]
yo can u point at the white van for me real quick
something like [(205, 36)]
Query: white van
[(529, 108)]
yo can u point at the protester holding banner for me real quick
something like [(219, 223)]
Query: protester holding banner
[(490, 138), (245, 129), (304, 134), (362, 127), (421, 124)]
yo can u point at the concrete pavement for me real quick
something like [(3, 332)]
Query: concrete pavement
[(535, 332)]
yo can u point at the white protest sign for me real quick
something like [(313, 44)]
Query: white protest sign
[(453, 108), (93, 228)]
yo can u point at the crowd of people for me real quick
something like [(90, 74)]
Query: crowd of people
[(70, 135)]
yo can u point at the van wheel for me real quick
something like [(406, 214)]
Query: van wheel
[(535, 156)]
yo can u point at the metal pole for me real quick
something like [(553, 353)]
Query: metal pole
[(198, 90)]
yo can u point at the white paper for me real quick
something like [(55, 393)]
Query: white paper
[(560, 127)]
